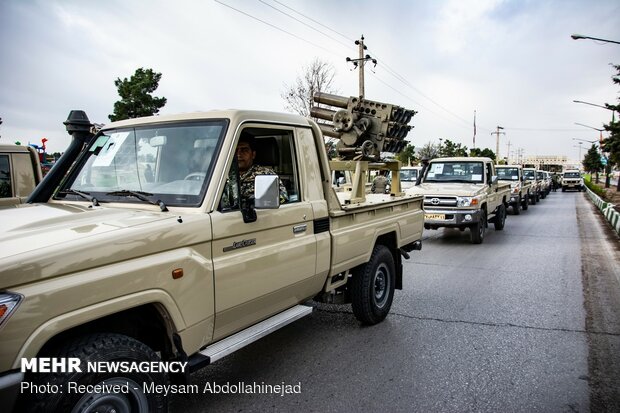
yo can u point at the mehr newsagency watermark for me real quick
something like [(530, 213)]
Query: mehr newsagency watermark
[(74, 365)]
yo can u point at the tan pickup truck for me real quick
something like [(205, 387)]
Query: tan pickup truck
[(519, 187), (149, 251), (20, 173), (463, 193)]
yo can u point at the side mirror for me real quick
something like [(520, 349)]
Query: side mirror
[(266, 192), (494, 180), (522, 178)]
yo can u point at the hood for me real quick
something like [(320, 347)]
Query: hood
[(44, 240), (451, 189)]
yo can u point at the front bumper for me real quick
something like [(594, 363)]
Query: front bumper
[(451, 217), (9, 389)]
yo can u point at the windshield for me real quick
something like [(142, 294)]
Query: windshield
[(171, 163), (529, 175), (455, 172), (409, 175), (508, 174), (540, 175), (572, 175)]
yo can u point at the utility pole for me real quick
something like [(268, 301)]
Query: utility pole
[(508, 153), (497, 141), (360, 62)]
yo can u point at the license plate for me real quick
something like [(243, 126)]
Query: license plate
[(435, 216)]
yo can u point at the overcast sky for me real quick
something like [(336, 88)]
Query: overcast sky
[(513, 62)]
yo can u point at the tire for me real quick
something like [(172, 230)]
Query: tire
[(101, 348), (372, 287), (516, 208), (477, 230), (526, 203), (563, 189), (500, 218)]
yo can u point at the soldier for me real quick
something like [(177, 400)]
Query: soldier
[(246, 152), (379, 184)]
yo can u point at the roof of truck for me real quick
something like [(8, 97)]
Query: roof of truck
[(235, 115), (463, 159), (13, 148)]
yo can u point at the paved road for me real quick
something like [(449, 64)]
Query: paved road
[(494, 327)]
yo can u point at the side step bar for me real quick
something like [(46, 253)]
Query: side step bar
[(241, 339)]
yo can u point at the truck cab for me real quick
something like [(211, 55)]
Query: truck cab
[(463, 193), (572, 179), (519, 187), (20, 173), (531, 177), (409, 176)]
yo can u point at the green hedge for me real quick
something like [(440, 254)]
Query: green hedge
[(587, 180)]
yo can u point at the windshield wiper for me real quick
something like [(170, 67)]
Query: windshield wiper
[(84, 195), (143, 196)]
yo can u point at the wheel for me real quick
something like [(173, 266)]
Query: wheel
[(477, 230), (516, 208), (372, 288), (526, 203), (103, 348), (500, 218), (563, 189)]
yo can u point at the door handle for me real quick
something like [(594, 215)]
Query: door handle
[(297, 229)]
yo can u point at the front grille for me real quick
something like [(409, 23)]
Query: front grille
[(440, 201)]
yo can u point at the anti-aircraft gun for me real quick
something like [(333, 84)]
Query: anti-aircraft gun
[(364, 129)]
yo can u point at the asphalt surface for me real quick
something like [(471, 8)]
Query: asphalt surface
[(501, 326)]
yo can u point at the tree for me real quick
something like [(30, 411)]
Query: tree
[(317, 77), (449, 149), (486, 153), (407, 156), (611, 145), (592, 161), (136, 95), (428, 151)]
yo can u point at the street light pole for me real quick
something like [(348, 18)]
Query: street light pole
[(600, 145), (580, 36)]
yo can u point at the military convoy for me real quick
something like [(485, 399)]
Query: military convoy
[(141, 246)]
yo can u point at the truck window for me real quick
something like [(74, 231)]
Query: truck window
[(274, 152), (455, 172), (5, 177), (507, 174), (171, 162)]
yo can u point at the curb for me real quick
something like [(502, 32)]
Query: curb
[(611, 215)]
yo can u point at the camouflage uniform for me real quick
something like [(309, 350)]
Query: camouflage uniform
[(231, 197), (379, 185)]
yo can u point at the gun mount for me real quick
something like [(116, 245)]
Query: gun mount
[(365, 128)]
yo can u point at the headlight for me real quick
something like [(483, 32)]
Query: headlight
[(516, 188), (465, 201), (8, 304)]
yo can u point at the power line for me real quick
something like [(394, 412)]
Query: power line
[(277, 28), (302, 22), (312, 20)]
